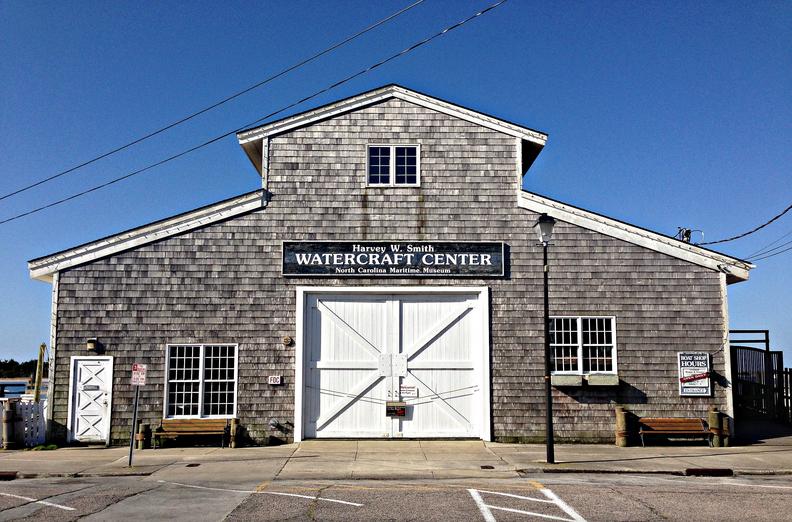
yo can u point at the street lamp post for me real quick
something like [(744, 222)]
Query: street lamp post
[(545, 224)]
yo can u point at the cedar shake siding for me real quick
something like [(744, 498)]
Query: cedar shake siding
[(222, 283)]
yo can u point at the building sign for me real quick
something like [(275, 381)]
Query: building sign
[(408, 392), (138, 374), (395, 409), (392, 259), (694, 374)]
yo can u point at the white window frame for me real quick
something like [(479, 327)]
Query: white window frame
[(579, 323), (200, 382), (392, 183)]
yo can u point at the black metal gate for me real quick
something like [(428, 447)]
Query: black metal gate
[(761, 385)]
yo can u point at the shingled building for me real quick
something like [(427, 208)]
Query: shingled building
[(384, 282)]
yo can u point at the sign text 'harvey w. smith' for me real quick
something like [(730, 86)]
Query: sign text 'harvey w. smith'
[(392, 259)]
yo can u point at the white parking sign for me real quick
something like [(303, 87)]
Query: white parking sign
[(138, 374)]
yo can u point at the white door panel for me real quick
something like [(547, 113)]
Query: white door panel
[(439, 338), (343, 399), (91, 386), (360, 349)]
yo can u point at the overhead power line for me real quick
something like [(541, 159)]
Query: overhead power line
[(739, 236), (765, 249), (771, 255), (214, 105), (771, 251), (287, 107)]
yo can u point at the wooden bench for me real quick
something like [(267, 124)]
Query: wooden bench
[(172, 428), (669, 426)]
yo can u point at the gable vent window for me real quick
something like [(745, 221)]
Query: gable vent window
[(393, 165)]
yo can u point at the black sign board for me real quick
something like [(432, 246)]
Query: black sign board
[(395, 409), (392, 259)]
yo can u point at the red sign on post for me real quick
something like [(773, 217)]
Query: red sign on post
[(138, 374)]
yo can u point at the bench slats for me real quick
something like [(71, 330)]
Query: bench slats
[(172, 428), (673, 426)]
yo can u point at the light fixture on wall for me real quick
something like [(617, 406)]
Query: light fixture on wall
[(92, 344)]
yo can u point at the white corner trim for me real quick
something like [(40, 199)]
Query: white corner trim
[(299, 365), (726, 347), (486, 378), (635, 235), (44, 268), (391, 91), (52, 358)]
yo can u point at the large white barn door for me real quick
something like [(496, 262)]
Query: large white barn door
[(440, 339), (347, 349), (361, 350), (91, 389)]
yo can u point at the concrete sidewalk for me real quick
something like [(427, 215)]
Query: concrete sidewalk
[(394, 459)]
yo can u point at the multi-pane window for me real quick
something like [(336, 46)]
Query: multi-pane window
[(583, 344), (201, 380), (393, 165), (379, 165)]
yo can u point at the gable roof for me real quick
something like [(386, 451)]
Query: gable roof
[(735, 269), (251, 139), (43, 268)]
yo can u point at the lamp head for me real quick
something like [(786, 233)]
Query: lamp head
[(545, 224)]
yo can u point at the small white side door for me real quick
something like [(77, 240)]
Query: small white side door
[(90, 399)]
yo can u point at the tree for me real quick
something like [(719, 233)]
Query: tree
[(9, 368)]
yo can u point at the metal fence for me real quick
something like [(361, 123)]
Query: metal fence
[(786, 394), (761, 385)]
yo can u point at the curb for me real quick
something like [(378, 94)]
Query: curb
[(550, 471), (82, 475), (688, 472)]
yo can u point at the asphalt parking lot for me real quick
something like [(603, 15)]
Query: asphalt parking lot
[(569, 497)]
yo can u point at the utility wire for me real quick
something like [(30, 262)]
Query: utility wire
[(771, 255), (760, 227), (767, 248), (220, 137), (214, 105)]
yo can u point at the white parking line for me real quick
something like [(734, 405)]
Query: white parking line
[(51, 504), (728, 482), (249, 492), (552, 498), (563, 505), (484, 508)]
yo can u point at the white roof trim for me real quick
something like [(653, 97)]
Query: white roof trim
[(390, 91), (734, 267), (43, 268)]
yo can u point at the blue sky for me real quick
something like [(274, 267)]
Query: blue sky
[(661, 114)]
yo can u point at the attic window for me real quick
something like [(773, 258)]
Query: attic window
[(393, 165)]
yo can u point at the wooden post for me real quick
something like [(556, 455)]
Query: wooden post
[(234, 428), (141, 435), (8, 425), (715, 421), (39, 372), (621, 427)]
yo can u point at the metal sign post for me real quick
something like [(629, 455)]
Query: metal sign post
[(138, 380)]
